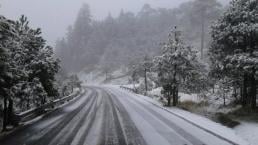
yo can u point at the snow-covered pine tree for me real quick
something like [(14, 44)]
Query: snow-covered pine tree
[(177, 66), (3, 55), (7, 35), (37, 59), (28, 67), (234, 50)]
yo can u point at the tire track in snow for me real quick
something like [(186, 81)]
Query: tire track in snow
[(46, 139), (160, 127), (32, 133), (132, 134), (112, 130), (90, 123), (66, 136)]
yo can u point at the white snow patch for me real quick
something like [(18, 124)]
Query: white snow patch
[(249, 131)]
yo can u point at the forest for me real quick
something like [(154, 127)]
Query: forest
[(118, 41), (200, 48), (211, 46)]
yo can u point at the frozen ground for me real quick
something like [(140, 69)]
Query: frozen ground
[(199, 121), (247, 130)]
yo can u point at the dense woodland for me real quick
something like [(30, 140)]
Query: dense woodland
[(117, 41), (234, 50), (28, 68), (28, 76), (232, 64), (210, 47)]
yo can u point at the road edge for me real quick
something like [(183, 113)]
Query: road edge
[(24, 124), (183, 118)]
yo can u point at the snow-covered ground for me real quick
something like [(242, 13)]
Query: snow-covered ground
[(247, 130), (108, 114), (197, 120)]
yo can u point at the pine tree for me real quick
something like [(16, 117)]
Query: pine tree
[(7, 35), (37, 58), (28, 67), (234, 50), (176, 66)]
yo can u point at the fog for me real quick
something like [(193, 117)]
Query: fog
[(54, 16)]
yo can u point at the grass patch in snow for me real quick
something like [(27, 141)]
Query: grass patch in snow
[(226, 120), (191, 105), (245, 114), (233, 118), (201, 108)]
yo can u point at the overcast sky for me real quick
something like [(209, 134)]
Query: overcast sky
[(54, 16)]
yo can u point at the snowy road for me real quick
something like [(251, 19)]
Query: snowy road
[(109, 116)]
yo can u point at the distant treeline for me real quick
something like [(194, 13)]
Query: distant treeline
[(114, 42)]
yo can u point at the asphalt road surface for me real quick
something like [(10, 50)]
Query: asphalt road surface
[(109, 116)]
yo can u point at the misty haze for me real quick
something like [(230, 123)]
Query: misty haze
[(129, 72)]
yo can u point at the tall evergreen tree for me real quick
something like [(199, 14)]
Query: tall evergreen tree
[(234, 50), (8, 35), (177, 66), (28, 67)]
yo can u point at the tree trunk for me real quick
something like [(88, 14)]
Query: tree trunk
[(235, 93), (175, 87), (10, 112), (145, 80), (5, 119), (213, 88), (177, 96), (174, 96), (253, 92), (134, 87), (224, 99), (244, 91), (28, 104), (43, 99), (169, 99)]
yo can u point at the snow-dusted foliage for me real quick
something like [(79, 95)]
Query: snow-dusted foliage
[(28, 66), (4, 29), (177, 67), (234, 49), (28, 94)]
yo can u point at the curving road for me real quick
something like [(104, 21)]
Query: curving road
[(109, 116)]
